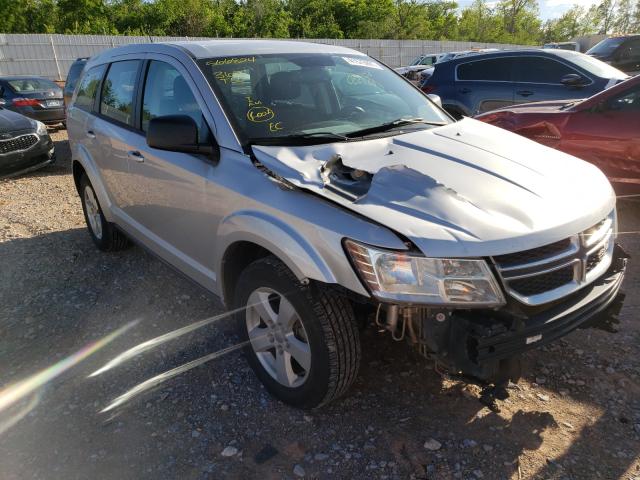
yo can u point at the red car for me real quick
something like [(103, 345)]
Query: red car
[(603, 129)]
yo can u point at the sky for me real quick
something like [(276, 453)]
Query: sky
[(548, 8)]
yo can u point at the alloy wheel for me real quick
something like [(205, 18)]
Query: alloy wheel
[(93, 212), (278, 337)]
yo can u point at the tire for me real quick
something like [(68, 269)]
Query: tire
[(318, 348), (104, 234)]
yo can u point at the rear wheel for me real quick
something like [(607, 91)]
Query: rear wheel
[(303, 340), (104, 234)]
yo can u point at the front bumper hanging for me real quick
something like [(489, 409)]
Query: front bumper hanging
[(476, 342)]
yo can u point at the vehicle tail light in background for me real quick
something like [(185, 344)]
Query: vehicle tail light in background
[(428, 88), (26, 102)]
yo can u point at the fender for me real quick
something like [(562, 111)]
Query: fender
[(84, 158), (276, 236)]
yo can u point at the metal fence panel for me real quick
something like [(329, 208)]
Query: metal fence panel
[(52, 55)]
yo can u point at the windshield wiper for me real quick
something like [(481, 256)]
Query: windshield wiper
[(301, 138), (391, 125)]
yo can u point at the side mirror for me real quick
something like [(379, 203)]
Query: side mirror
[(178, 133), (435, 99), (572, 80), (3, 102)]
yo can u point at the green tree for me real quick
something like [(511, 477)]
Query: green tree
[(261, 18), (479, 23), (314, 19), (565, 28), (623, 20), (635, 22), (605, 16), (84, 16)]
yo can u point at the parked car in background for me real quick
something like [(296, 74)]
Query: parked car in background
[(308, 185), (445, 57), (72, 78), (412, 70), (472, 85), (622, 52), (573, 46), (603, 129), (25, 144), (36, 97)]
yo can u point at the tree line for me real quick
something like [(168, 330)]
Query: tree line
[(504, 21)]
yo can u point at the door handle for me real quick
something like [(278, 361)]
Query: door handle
[(524, 93), (135, 155), (465, 90), (91, 134)]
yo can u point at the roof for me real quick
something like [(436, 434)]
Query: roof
[(511, 53), (230, 47), (215, 48)]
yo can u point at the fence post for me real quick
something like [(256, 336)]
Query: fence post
[(55, 57)]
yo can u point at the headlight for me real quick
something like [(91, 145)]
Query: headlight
[(407, 277), (41, 128)]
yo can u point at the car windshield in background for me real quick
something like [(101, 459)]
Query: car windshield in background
[(321, 97), (20, 85), (606, 46), (590, 64)]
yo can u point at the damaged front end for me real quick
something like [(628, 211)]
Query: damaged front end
[(502, 254), (485, 344)]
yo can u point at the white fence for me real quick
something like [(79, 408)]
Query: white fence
[(51, 55)]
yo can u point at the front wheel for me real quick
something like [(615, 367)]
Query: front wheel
[(303, 341)]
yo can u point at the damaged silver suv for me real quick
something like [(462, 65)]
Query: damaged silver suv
[(309, 186)]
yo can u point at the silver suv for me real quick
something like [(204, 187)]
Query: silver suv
[(310, 187)]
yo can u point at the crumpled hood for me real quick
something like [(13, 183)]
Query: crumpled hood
[(465, 189)]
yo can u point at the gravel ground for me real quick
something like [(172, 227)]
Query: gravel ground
[(575, 414)]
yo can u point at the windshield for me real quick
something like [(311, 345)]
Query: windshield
[(319, 95), (592, 65), (606, 46), (26, 85)]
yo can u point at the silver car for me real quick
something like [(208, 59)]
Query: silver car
[(313, 190)]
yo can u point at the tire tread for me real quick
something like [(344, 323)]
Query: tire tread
[(339, 326)]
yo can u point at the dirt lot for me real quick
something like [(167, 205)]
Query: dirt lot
[(575, 415)]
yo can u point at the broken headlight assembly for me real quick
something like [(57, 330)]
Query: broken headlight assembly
[(413, 278)]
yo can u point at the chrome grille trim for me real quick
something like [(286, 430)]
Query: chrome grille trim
[(589, 253)]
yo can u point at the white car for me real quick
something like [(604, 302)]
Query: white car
[(412, 70)]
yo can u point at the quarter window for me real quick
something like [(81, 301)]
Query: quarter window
[(116, 100), (89, 87), (494, 69), (540, 70)]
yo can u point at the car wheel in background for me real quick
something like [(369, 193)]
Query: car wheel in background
[(104, 234), (304, 341)]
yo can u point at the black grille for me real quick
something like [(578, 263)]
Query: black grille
[(542, 283), (533, 255), (18, 143), (595, 258)]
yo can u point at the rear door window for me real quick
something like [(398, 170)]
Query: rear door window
[(118, 88), (491, 70), (541, 70), (89, 87)]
